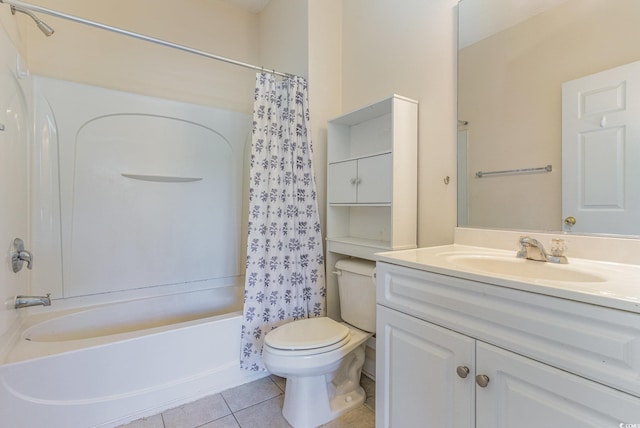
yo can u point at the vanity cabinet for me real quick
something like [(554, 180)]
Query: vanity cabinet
[(522, 392), (416, 380), (459, 353)]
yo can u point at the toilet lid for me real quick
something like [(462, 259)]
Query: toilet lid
[(307, 334)]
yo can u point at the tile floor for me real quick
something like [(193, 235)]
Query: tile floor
[(254, 405)]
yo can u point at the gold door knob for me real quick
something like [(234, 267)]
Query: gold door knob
[(570, 221)]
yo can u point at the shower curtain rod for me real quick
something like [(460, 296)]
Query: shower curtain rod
[(139, 36)]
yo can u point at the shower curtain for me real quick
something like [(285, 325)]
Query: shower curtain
[(285, 265)]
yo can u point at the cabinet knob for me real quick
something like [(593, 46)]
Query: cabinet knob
[(482, 380), (353, 181), (462, 371)]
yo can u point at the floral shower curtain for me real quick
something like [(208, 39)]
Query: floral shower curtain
[(285, 266)]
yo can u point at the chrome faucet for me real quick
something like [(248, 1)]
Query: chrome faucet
[(533, 249), (26, 301), (19, 255)]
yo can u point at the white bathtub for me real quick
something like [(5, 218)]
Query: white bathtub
[(110, 364)]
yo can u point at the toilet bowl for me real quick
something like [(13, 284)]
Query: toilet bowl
[(321, 358)]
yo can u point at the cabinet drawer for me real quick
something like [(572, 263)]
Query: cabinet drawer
[(597, 343)]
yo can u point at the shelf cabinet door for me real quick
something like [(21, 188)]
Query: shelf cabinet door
[(417, 384), (368, 180), (524, 393), (375, 179), (341, 182)]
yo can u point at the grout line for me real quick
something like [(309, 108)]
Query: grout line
[(236, 419), (232, 413)]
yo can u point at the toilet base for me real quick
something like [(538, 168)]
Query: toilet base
[(311, 401)]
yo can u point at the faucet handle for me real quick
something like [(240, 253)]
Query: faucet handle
[(26, 256), (19, 255), (522, 252), (558, 247)]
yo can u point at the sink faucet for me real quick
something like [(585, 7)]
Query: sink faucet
[(26, 301), (533, 249)]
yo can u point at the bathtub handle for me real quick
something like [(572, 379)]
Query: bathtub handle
[(19, 255)]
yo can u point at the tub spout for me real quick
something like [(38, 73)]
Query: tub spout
[(26, 301)]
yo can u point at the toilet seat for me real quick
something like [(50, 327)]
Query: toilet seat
[(308, 336)]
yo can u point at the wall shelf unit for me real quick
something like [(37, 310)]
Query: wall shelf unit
[(372, 179)]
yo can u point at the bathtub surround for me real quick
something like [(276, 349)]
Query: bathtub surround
[(118, 182), (284, 278)]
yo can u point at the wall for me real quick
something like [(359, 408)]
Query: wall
[(409, 48), (87, 55), (325, 95), (283, 41), (380, 48), (511, 97), (14, 168), (354, 52)]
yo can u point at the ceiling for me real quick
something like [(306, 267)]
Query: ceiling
[(250, 5)]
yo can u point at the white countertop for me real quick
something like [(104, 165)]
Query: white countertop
[(618, 284)]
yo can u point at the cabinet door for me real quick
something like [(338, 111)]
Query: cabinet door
[(417, 384), (375, 179), (524, 393), (341, 182)]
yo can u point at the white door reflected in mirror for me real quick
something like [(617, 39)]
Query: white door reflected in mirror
[(600, 143)]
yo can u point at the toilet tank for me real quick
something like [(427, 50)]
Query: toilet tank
[(357, 291)]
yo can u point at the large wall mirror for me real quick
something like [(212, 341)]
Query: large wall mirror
[(549, 115)]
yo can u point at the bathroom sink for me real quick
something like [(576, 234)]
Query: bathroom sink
[(517, 267)]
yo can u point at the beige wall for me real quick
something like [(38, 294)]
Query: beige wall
[(84, 54), (283, 39), (15, 29), (325, 87), (409, 47), (354, 52), (510, 86)]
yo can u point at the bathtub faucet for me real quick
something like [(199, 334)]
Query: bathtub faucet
[(26, 301)]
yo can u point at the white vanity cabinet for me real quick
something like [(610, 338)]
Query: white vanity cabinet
[(522, 392), (416, 380), (459, 353)]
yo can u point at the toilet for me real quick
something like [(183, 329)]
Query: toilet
[(321, 358)]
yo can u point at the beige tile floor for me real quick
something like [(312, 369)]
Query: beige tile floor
[(254, 405)]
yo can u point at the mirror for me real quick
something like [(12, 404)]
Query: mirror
[(514, 57)]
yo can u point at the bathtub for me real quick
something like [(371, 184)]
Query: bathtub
[(109, 364)]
